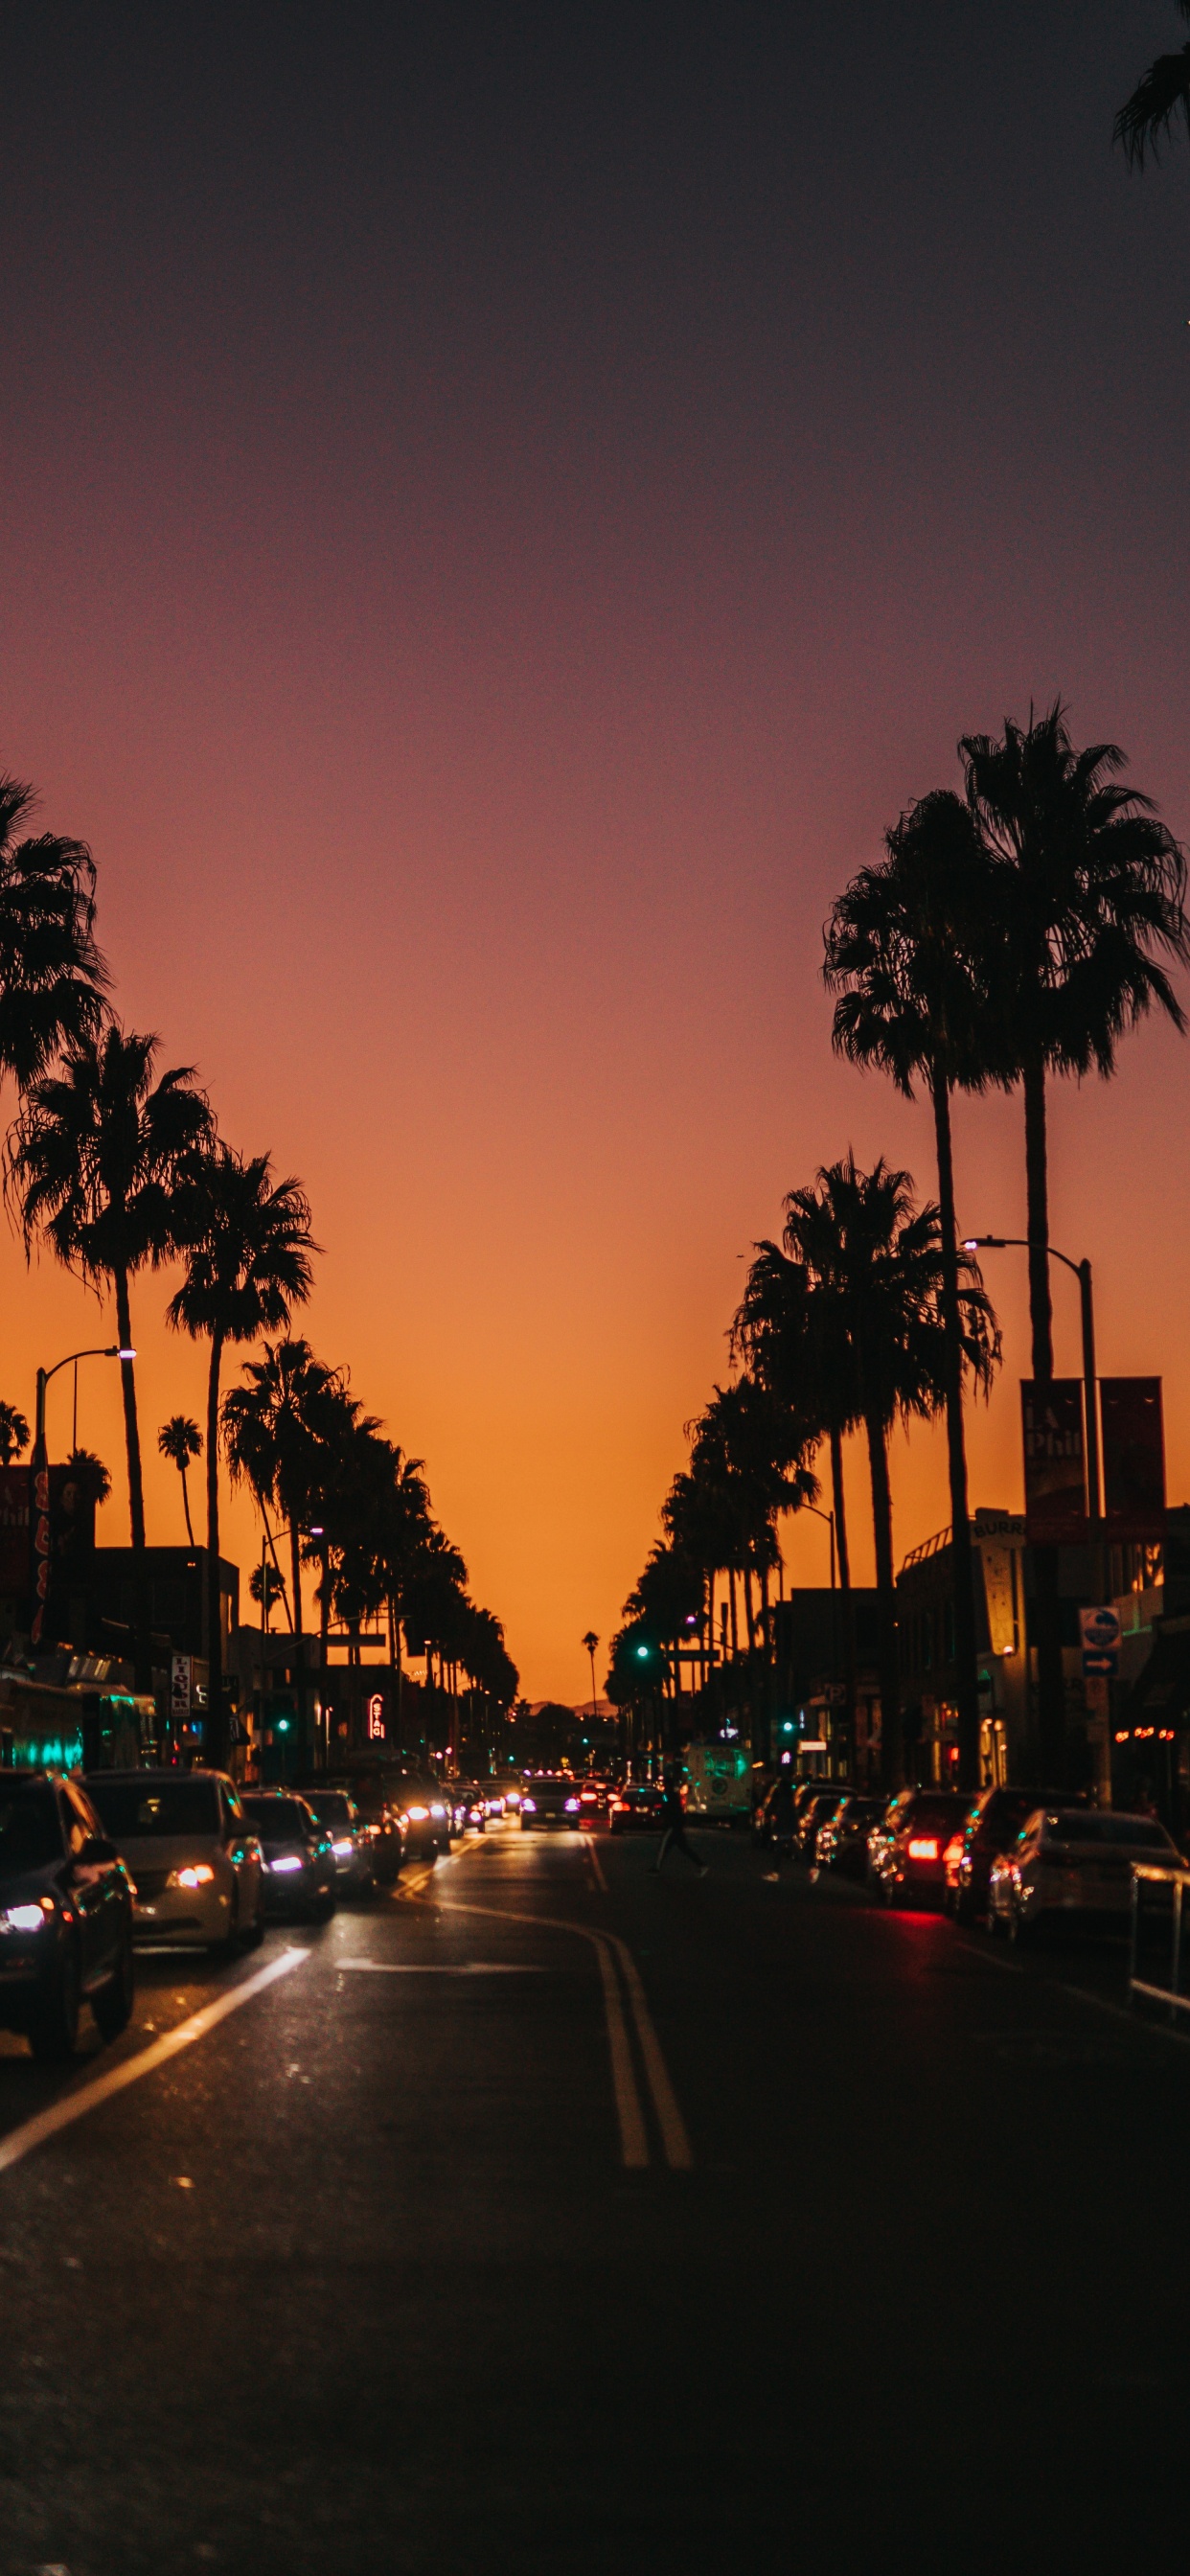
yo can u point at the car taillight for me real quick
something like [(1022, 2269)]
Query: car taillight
[(923, 1847), (954, 1851), (620, 1806)]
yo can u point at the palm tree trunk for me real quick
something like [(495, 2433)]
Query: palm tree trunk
[(186, 1508), (142, 1653), (843, 1556), (735, 1634), (216, 1744), (892, 1742), (1047, 1614), (962, 1569)]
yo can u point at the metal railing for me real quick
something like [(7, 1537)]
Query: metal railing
[(1148, 1924)]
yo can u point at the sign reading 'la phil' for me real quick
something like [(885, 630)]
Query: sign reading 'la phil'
[(1055, 1476)]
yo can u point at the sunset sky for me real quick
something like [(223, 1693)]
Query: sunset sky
[(501, 507)]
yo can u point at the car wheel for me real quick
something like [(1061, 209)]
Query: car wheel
[(255, 1932), (111, 2008), (1018, 1928), (324, 1906), (53, 2029), (229, 1946)]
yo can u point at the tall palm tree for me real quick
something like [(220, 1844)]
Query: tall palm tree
[(875, 1268), (590, 1644), (1161, 94), (180, 1440), (14, 1433), (278, 1430), (906, 956), (52, 977), (247, 1248), (97, 1161)]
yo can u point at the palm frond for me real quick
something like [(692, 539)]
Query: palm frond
[(1160, 95)]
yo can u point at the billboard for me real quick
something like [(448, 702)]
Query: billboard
[(1133, 1458), (1055, 1484)]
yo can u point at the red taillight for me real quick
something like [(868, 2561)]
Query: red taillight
[(923, 1847), (954, 1851), (619, 1806)]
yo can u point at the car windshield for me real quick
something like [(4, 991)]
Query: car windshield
[(136, 1810), (331, 1806), (278, 1819), (935, 1811), (1139, 1832), (30, 1834)]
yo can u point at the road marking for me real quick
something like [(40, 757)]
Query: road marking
[(634, 2139), (445, 1968), (596, 1864), (674, 2135), (74, 2106)]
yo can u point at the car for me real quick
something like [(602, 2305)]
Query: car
[(1073, 1865), (637, 1808), (812, 1813), (193, 1856), (990, 1827), (65, 1915), (549, 1798), (494, 1795), (467, 1807), (592, 1799), (906, 1847), (372, 1794), (352, 1839), (841, 1842), (300, 1876)]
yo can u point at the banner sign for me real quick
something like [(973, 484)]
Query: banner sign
[(1133, 1459), (1055, 1486)]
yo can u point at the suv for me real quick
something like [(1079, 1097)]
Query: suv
[(990, 1828), (906, 1849), (193, 1855), (65, 1915)]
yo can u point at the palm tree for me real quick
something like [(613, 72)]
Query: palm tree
[(14, 1433), (180, 1440), (874, 1266), (266, 1586), (589, 1645), (279, 1431), (52, 976), (97, 1161), (906, 956), (1162, 93), (90, 1474), (248, 1245)]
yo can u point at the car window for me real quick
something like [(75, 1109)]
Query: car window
[(30, 1829), (75, 1830), (232, 1803), (136, 1810), (84, 1823), (1138, 1833)]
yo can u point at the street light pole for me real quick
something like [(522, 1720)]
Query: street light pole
[(1082, 1272), (39, 1515)]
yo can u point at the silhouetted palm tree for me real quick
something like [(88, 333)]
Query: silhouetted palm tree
[(90, 1474), (278, 1430), (248, 1247), (52, 976), (875, 1271), (907, 957), (14, 1433), (96, 1160), (180, 1440), (1162, 93)]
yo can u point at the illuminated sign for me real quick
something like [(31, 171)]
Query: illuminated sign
[(376, 1717)]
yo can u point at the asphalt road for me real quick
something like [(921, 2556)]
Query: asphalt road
[(550, 2217)]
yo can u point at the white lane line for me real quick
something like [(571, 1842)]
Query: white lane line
[(596, 1864), (674, 2134), (74, 2106), (445, 1968)]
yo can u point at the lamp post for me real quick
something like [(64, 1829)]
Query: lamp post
[(1082, 1272), (39, 1517)]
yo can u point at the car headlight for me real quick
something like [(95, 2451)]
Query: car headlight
[(288, 1860), (342, 1851), (528, 1806), (572, 1806), (198, 1873), (437, 1811), (27, 1918), (417, 1815)]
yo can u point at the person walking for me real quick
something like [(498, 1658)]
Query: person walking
[(674, 1819)]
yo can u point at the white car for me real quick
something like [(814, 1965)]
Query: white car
[(1072, 1864), (194, 1860)]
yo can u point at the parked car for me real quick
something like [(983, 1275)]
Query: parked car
[(65, 1915), (908, 1865), (990, 1827), (373, 1793), (193, 1855), (842, 1838), (299, 1866), (352, 1839), (636, 1808), (1073, 1865), (549, 1798), (812, 1813)]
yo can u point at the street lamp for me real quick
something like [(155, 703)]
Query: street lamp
[(829, 1518), (107, 1351), (40, 1494), (1082, 1272)]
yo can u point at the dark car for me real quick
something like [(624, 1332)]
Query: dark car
[(907, 1847), (989, 1828), (65, 1916), (636, 1808), (812, 1813), (592, 1799), (299, 1864), (352, 1839), (406, 1806), (467, 1807), (842, 1840), (549, 1798)]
